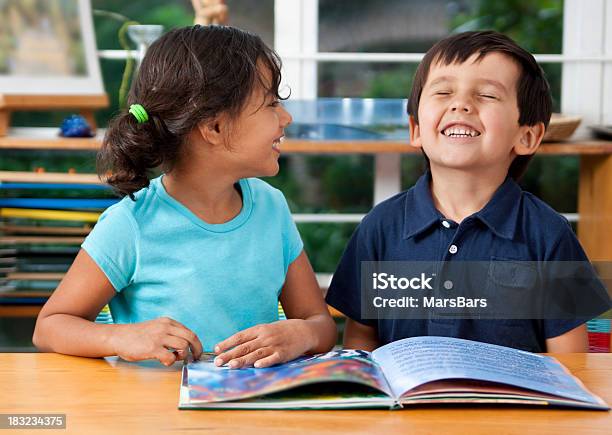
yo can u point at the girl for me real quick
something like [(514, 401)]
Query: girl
[(197, 258)]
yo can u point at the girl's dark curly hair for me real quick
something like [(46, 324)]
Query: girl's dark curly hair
[(189, 75)]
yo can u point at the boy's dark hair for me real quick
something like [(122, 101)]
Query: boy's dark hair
[(533, 91), (189, 75)]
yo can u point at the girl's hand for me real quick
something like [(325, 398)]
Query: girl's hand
[(267, 344), (164, 339)]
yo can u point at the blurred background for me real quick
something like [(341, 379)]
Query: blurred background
[(343, 184)]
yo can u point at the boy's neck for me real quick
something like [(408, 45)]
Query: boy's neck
[(458, 194)]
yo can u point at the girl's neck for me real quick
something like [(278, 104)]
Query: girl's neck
[(211, 196), (459, 194)]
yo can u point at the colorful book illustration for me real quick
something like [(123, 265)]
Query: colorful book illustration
[(418, 370)]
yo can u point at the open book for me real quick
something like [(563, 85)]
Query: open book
[(418, 370)]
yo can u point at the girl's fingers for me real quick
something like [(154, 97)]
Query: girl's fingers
[(268, 361), (165, 357), (176, 343), (237, 352), (250, 359), (189, 336), (236, 339)]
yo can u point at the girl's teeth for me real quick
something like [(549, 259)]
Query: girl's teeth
[(276, 143)]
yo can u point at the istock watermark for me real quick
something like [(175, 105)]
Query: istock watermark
[(495, 289)]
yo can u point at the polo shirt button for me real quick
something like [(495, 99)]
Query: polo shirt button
[(452, 249), (445, 224)]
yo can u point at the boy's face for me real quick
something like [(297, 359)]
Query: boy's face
[(468, 116)]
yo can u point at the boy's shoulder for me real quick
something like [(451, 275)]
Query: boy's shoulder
[(537, 217), (391, 209)]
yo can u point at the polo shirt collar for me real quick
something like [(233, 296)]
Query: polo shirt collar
[(501, 212), (419, 211), (499, 215)]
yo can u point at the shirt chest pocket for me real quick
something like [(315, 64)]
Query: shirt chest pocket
[(512, 288)]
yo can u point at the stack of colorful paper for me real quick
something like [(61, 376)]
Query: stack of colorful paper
[(41, 228), (599, 335)]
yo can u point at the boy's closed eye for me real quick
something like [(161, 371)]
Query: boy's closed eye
[(440, 92)]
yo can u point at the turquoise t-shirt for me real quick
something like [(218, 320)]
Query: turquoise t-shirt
[(216, 279)]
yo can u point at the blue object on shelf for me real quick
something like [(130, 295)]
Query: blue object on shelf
[(75, 126)]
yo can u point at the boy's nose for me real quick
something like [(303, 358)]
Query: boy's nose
[(461, 105)]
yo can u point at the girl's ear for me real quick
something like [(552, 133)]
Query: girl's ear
[(530, 139), (415, 133), (211, 132)]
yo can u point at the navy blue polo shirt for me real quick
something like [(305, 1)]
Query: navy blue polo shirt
[(514, 225)]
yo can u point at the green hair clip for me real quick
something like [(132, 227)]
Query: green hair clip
[(139, 113)]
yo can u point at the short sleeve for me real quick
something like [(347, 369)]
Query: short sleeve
[(292, 241), (344, 292), (112, 244), (576, 286)]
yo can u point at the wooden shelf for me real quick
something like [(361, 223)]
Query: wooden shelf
[(47, 139), (583, 147), (38, 102), (34, 276), (588, 147), (84, 104), (20, 310), (48, 177), (40, 240)]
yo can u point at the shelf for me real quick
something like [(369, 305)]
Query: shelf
[(48, 177), (47, 139), (40, 240)]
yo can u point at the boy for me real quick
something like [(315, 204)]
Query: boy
[(478, 110)]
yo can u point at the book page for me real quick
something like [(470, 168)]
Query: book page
[(411, 362), (208, 383)]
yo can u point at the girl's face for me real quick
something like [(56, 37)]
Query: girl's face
[(257, 133)]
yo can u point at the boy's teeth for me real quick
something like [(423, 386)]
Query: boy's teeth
[(460, 132)]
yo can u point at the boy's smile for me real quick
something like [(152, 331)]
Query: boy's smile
[(468, 114), (458, 130)]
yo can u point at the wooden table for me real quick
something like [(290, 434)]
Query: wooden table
[(113, 397)]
